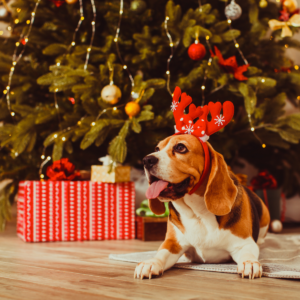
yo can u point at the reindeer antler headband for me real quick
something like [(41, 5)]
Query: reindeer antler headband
[(202, 128)]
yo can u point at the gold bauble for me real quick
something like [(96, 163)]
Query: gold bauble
[(71, 1), (111, 94), (132, 109), (276, 226), (263, 3), (290, 5)]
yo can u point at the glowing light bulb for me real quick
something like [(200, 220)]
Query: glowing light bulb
[(93, 23), (115, 40), (14, 63), (167, 18), (121, 12), (203, 87), (124, 67), (17, 21), (73, 43), (229, 21), (55, 136), (49, 157), (63, 138), (168, 72), (263, 145), (171, 44), (17, 44), (28, 22), (252, 128), (33, 13), (58, 64), (207, 37), (43, 156), (237, 45), (93, 124), (12, 114), (82, 18), (115, 108), (42, 176), (296, 67), (263, 80)]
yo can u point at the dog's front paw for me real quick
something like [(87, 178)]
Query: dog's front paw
[(250, 268), (149, 268)]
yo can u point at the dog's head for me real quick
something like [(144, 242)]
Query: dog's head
[(175, 168)]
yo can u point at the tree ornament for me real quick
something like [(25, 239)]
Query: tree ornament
[(132, 109), (138, 6), (196, 51), (230, 65), (111, 93), (58, 3), (294, 21), (71, 1), (289, 5), (263, 3), (276, 226), (233, 11)]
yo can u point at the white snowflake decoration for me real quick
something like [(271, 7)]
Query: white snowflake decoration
[(188, 128), (220, 120), (174, 106)]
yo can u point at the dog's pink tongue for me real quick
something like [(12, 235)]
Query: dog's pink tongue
[(156, 188)]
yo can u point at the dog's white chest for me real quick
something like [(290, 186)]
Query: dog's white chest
[(202, 230)]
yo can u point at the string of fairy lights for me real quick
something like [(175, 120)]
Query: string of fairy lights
[(171, 44), (24, 38)]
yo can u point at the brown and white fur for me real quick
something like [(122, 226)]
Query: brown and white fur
[(222, 220)]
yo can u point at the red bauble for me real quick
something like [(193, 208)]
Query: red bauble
[(196, 51), (58, 3)]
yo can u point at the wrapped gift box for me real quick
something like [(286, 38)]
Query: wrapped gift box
[(150, 228), (118, 174), (75, 211)]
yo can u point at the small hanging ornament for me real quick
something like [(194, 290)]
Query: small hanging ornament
[(138, 6), (233, 11), (132, 109), (263, 3), (196, 51), (58, 3), (111, 93), (289, 5), (71, 1)]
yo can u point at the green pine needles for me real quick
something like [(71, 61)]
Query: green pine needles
[(90, 128)]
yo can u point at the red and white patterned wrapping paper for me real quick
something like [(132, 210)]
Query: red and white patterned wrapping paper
[(75, 211)]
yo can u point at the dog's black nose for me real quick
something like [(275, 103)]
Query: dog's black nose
[(149, 161)]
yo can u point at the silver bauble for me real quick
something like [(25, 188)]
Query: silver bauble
[(233, 11), (111, 94)]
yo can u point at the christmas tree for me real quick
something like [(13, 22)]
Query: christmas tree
[(81, 79)]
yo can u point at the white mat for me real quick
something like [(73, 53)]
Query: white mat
[(279, 255)]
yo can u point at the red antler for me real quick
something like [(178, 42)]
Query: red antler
[(202, 128), (218, 121)]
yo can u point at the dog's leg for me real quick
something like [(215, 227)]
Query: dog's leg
[(167, 255), (247, 259)]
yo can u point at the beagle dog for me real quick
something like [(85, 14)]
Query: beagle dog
[(220, 221)]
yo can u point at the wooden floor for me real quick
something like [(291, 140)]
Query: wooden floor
[(82, 270)]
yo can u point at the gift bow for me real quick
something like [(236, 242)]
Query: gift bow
[(264, 180), (286, 31)]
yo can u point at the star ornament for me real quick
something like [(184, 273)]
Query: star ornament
[(230, 65)]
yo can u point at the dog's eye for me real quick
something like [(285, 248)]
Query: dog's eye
[(180, 148), (156, 149)]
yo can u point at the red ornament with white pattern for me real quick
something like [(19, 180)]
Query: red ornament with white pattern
[(196, 51)]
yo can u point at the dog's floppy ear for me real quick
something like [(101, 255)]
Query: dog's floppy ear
[(156, 206), (221, 191)]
